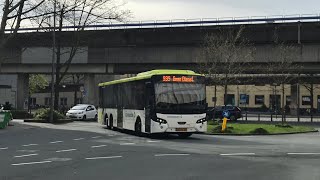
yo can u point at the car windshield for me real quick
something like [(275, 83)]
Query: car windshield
[(78, 108)]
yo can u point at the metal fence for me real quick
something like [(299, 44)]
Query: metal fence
[(186, 22)]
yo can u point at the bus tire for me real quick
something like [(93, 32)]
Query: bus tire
[(111, 122), (184, 135), (106, 122), (137, 127)]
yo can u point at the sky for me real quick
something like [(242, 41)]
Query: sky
[(144, 10)]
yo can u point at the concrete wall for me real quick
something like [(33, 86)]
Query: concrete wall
[(43, 55), (8, 94)]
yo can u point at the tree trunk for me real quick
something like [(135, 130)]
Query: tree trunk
[(58, 64), (75, 97), (214, 103), (225, 90), (283, 110), (311, 101)]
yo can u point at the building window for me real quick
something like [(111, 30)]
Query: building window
[(259, 99), (33, 101), (288, 100), (63, 101), (306, 100), (47, 101), (230, 99), (244, 99)]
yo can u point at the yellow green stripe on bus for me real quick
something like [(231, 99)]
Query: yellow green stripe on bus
[(149, 74)]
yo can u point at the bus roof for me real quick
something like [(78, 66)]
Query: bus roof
[(149, 74)]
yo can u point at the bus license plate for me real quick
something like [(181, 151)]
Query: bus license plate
[(181, 129)]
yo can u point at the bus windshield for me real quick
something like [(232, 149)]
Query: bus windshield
[(180, 97)]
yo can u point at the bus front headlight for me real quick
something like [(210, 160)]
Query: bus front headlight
[(161, 121), (201, 120)]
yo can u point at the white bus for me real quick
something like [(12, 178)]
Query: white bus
[(157, 101)]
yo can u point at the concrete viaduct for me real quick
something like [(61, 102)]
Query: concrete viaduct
[(129, 51)]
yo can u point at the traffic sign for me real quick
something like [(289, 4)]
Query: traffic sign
[(226, 113)]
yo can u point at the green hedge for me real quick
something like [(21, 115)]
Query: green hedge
[(45, 114), (20, 114)]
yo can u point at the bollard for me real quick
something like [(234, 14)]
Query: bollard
[(224, 124), (271, 117), (258, 116)]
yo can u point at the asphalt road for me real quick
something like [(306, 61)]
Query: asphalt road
[(85, 150)]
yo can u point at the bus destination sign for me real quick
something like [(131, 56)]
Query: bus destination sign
[(187, 79)]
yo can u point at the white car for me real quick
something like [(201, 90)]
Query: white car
[(83, 111)]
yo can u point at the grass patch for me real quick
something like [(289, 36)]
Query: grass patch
[(235, 128)]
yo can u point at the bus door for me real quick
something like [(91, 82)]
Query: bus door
[(148, 105), (119, 108)]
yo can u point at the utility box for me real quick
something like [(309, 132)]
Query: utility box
[(5, 117)]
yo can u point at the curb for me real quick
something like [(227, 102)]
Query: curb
[(62, 121), (220, 134)]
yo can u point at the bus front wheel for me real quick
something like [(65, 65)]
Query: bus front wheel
[(106, 122), (184, 135)]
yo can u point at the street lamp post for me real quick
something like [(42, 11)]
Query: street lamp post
[(53, 59)]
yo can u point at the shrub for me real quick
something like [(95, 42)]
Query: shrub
[(213, 122), (283, 125), (45, 114), (20, 114), (259, 131), (218, 129)]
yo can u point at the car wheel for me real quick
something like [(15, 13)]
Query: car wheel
[(233, 118), (84, 117), (111, 122), (96, 117)]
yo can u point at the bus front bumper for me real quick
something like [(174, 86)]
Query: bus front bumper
[(164, 128)]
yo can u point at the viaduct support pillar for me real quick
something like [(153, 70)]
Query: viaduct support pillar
[(295, 98), (89, 94), (22, 91)]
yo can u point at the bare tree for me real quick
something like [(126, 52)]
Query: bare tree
[(14, 12), (282, 69), (226, 55), (80, 14), (311, 87)]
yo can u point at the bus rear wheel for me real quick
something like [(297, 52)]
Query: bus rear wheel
[(137, 128), (184, 135)]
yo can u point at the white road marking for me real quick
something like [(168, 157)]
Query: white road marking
[(55, 142), (95, 137), (238, 154), (150, 141), (66, 150), (25, 150), (4, 148), (303, 153), (127, 143), (27, 145), (40, 162), (78, 139), (171, 155), (98, 146), (26, 155), (109, 157)]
